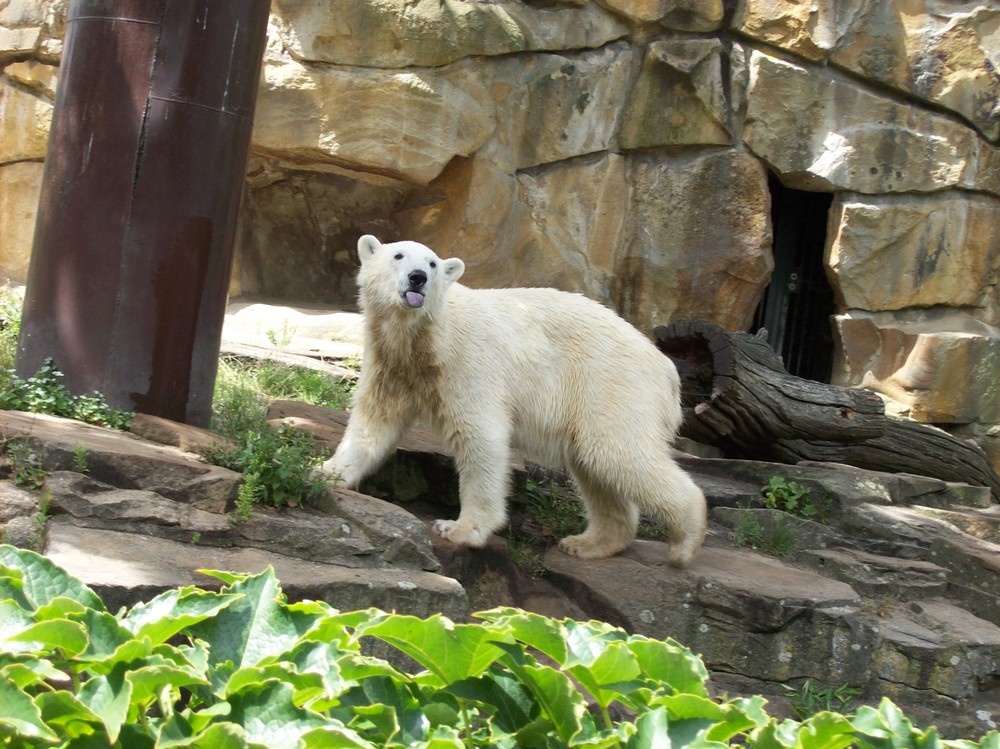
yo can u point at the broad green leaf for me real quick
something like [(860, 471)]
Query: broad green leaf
[(449, 651), (651, 731), (251, 629), (306, 686), (443, 738), (109, 698), (64, 712), (12, 587), (20, 714), (776, 735), (105, 636), (553, 691), (728, 719), (585, 641), (172, 611), (216, 736), (545, 635), (28, 671), (672, 664), (270, 718), (69, 638), (826, 730), (13, 621), (391, 705), (149, 679), (501, 695), (336, 736), (59, 607), (44, 581), (615, 664)]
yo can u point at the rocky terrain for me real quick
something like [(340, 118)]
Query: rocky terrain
[(897, 594)]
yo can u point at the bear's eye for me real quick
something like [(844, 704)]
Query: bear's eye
[(399, 256), (433, 264)]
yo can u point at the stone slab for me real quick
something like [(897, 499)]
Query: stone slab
[(126, 568)]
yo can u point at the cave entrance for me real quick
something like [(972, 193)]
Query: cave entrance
[(798, 303)]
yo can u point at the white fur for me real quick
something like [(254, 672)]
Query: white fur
[(558, 376)]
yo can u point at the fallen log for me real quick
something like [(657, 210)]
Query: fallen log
[(738, 397)]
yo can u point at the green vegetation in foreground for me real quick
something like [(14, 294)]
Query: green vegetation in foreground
[(276, 460), (242, 667)]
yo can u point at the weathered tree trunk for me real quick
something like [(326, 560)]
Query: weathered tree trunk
[(737, 396)]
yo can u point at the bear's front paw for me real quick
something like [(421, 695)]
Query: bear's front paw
[(585, 546), (463, 534)]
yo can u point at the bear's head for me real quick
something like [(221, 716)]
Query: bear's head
[(404, 276)]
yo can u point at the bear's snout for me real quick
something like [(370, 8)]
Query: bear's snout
[(417, 279)]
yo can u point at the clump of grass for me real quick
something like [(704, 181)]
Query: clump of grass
[(555, 507), (25, 465), (277, 461), (810, 698), (776, 538)]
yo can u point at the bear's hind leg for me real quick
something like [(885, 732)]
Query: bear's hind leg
[(669, 494), (483, 463), (612, 523)]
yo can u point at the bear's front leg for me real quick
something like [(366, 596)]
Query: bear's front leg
[(483, 462), (372, 433)]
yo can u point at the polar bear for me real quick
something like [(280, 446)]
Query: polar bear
[(552, 374)]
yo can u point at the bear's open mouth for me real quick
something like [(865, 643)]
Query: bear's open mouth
[(414, 299)]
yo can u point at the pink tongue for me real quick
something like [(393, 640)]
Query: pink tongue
[(414, 299)]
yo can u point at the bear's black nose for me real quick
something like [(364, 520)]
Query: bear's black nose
[(417, 279)]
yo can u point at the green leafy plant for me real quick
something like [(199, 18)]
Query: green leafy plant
[(25, 465), (80, 463), (277, 463), (242, 667), (45, 393), (810, 699), (795, 499)]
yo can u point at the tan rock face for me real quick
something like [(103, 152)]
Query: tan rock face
[(823, 133), (683, 15), (24, 123), (946, 53), (402, 124), (431, 33), (679, 98), (941, 366), (20, 186), (809, 29), (895, 253)]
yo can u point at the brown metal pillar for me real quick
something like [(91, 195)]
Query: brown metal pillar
[(133, 243)]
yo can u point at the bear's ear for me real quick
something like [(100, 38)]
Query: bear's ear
[(453, 268), (367, 247)]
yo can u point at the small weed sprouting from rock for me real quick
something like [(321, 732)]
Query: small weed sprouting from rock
[(25, 465), (554, 506), (776, 538), (808, 699), (80, 464), (250, 493), (526, 556), (795, 499)]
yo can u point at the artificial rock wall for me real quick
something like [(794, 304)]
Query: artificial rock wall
[(621, 149)]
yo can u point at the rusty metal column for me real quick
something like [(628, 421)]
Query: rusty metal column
[(136, 222)]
